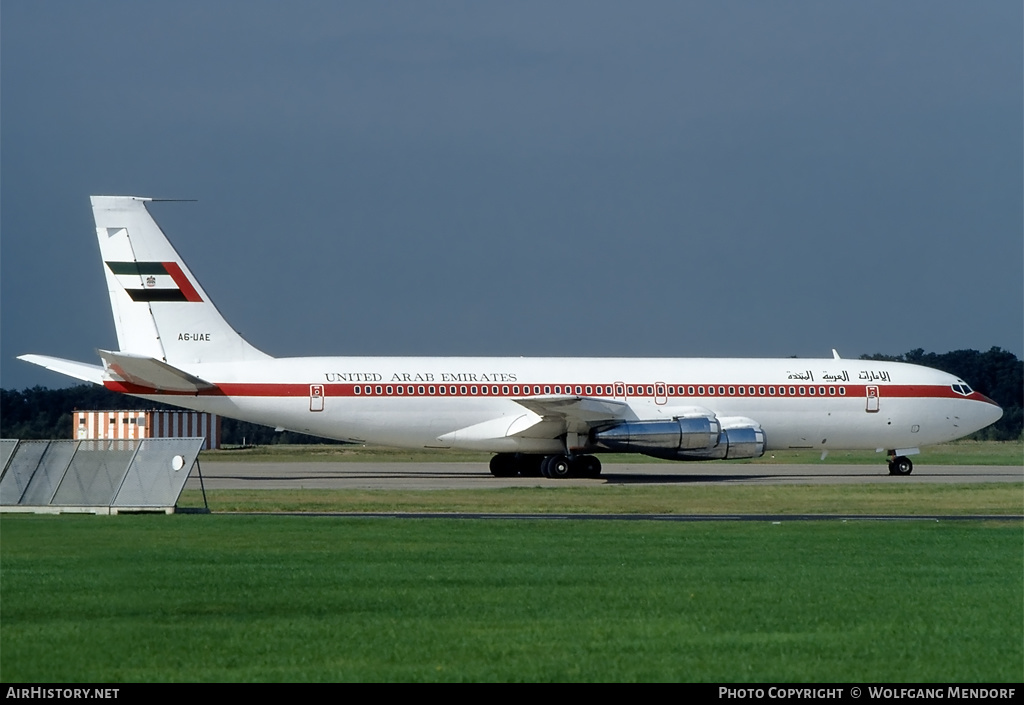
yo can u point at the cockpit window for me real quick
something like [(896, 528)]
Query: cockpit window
[(961, 388)]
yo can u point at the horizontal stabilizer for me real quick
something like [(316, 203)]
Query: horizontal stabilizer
[(78, 370), (151, 373)]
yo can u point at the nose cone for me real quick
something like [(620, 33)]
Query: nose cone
[(987, 412)]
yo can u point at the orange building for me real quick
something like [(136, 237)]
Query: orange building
[(122, 425)]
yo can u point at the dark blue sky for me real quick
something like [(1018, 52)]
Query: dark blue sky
[(573, 178)]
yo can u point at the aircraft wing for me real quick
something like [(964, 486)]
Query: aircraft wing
[(578, 414), (545, 418)]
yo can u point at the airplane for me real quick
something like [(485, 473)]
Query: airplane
[(539, 416)]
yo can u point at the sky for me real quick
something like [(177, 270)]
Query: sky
[(662, 179)]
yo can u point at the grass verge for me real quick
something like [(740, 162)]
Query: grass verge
[(980, 498), (257, 598)]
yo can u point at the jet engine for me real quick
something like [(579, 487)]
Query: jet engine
[(743, 442), (693, 438), (661, 438)]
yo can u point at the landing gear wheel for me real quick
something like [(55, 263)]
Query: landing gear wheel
[(556, 467), (529, 465), (586, 466), (504, 465), (900, 465)]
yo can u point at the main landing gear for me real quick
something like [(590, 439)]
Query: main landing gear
[(900, 465), (553, 466)]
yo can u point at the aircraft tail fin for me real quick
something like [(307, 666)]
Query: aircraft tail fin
[(160, 310)]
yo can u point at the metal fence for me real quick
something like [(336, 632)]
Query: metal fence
[(105, 477)]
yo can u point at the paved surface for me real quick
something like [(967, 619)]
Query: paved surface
[(438, 476)]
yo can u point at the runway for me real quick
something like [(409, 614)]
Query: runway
[(446, 476)]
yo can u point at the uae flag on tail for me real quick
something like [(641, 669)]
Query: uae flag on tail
[(154, 281)]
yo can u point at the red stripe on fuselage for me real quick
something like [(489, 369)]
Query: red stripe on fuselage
[(246, 389)]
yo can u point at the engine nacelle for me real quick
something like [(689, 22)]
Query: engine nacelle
[(661, 438), (740, 438)]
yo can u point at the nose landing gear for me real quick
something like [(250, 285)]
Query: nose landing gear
[(900, 465)]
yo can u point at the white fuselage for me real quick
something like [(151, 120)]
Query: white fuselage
[(424, 402)]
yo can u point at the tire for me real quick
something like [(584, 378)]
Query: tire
[(557, 467), (503, 465), (530, 465), (587, 466), (901, 466)]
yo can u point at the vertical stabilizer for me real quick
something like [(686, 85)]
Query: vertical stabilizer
[(159, 308)]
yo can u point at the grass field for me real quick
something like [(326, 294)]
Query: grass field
[(269, 598), (915, 499), (958, 453)]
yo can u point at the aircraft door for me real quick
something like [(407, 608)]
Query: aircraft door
[(872, 399), (660, 393), (316, 397)]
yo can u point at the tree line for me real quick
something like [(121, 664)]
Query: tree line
[(39, 412)]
